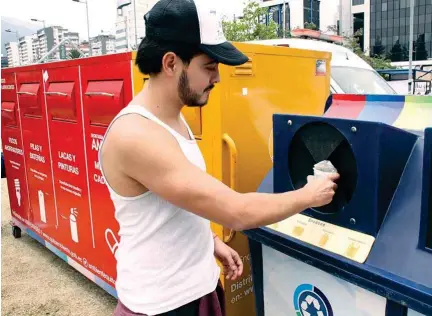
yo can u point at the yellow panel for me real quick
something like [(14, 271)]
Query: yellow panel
[(284, 81), (192, 116)]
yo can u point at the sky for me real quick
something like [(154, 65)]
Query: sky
[(72, 15)]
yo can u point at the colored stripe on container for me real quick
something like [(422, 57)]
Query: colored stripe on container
[(57, 252), (384, 109), (81, 269), (346, 106), (33, 235), (417, 113), (108, 288)]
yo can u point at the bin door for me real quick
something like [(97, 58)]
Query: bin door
[(61, 103), (8, 114), (29, 99), (104, 100)]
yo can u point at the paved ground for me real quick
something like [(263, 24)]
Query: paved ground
[(36, 282)]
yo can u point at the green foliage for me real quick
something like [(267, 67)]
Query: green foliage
[(250, 27), (310, 26), (73, 54), (376, 62)]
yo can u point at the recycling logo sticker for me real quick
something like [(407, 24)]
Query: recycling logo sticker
[(310, 301)]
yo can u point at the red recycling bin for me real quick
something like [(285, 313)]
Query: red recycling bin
[(54, 117)]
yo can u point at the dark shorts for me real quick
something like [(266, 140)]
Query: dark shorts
[(212, 304)]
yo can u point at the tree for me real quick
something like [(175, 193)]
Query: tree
[(420, 48), (396, 53), (73, 54), (378, 49), (376, 61), (251, 25)]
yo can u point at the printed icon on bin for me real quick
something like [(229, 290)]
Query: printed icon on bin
[(298, 231), (18, 191), (73, 224), (73, 217), (41, 198), (113, 243), (352, 250), (323, 240)]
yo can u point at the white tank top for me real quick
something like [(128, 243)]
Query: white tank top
[(165, 257)]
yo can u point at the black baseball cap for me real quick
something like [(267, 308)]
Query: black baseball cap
[(193, 22)]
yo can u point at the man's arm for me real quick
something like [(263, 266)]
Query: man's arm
[(155, 159)]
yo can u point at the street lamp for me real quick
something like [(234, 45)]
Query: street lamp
[(411, 39), (37, 20), (88, 24), (16, 33), (136, 32)]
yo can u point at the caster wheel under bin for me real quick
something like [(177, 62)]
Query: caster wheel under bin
[(16, 231)]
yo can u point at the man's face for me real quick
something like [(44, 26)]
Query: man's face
[(197, 80)]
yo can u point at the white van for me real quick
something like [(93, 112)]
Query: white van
[(349, 73)]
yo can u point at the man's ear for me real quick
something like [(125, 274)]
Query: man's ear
[(169, 64)]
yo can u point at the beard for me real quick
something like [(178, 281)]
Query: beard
[(187, 95)]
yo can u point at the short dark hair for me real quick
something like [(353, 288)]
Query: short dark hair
[(150, 54)]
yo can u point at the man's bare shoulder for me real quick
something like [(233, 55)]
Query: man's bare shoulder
[(143, 150), (132, 132)]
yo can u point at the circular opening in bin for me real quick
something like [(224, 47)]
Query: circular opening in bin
[(318, 141)]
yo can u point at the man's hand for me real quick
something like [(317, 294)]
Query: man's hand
[(232, 264), (321, 190)]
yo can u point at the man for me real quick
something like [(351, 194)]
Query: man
[(164, 199)]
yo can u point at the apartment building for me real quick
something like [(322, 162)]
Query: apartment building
[(73, 41), (25, 49), (386, 27), (30, 49), (292, 14), (390, 29), (41, 43), (103, 44), (12, 52), (47, 38), (130, 15), (329, 16)]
